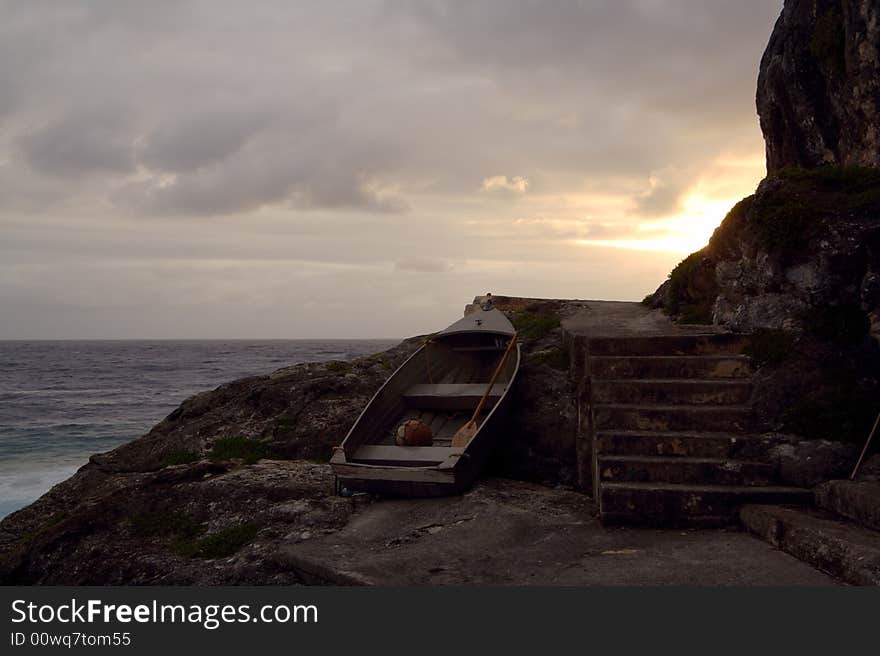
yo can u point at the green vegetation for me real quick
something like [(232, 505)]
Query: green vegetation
[(782, 223), (221, 544), (785, 220), (828, 44), (229, 448), (683, 272), (840, 179), (379, 359), (648, 300), (338, 366), (555, 358), (187, 536), (769, 346), (724, 242), (179, 457), (286, 423), (700, 314), (847, 189), (534, 325), (681, 301), (164, 522)]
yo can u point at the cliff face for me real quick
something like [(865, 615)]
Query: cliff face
[(800, 259), (819, 85), (804, 250)]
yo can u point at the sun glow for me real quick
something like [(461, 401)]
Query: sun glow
[(683, 233)]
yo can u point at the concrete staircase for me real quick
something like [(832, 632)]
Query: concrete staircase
[(670, 422)]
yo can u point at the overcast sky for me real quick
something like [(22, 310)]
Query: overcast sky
[(359, 169)]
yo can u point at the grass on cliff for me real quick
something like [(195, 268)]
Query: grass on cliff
[(179, 457), (785, 220), (231, 448), (338, 366), (556, 358), (186, 533), (220, 544), (681, 302), (164, 523), (534, 325)]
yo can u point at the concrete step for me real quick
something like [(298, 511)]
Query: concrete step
[(669, 366), (710, 343), (689, 470), (840, 548), (672, 391), (666, 504), (682, 443), (732, 418), (857, 500)]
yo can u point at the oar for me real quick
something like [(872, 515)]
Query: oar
[(464, 434), (855, 470)]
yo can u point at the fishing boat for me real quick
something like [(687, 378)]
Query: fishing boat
[(459, 384)]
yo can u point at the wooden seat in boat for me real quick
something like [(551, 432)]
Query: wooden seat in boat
[(401, 455), (451, 396)]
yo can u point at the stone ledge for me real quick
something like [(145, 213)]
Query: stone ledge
[(857, 500), (841, 549)]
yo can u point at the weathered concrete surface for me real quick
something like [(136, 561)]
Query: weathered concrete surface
[(858, 500), (509, 533), (840, 548), (623, 319)]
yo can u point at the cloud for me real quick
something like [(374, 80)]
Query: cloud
[(383, 133), (80, 143), (516, 184), (666, 192), (198, 140), (255, 177), (423, 265)]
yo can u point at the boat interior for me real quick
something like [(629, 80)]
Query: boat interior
[(441, 385)]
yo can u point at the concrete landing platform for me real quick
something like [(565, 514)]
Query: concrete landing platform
[(626, 319), (510, 533)]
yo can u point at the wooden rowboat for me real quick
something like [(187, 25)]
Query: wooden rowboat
[(441, 385)]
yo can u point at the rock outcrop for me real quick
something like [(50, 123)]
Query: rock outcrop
[(211, 492), (819, 85), (802, 253), (799, 261)]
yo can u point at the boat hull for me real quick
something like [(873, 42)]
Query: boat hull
[(461, 361)]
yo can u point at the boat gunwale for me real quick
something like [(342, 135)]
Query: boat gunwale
[(454, 452)]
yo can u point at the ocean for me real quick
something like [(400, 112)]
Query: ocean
[(62, 401)]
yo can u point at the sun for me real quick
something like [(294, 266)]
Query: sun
[(683, 233)]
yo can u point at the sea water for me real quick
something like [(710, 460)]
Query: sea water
[(62, 401)]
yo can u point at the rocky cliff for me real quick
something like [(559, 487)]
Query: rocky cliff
[(213, 490), (819, 85), (799, 261)]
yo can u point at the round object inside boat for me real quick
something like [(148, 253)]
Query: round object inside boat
[(413, 432)]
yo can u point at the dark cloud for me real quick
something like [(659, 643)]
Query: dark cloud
[(199, 140), (423, 265), (82, 143), (244, 172)]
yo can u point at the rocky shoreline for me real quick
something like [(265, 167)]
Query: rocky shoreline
[(209, 494)]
